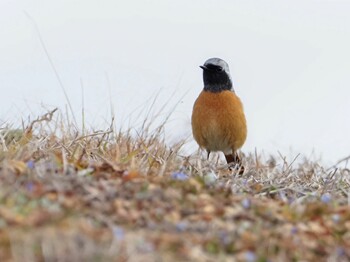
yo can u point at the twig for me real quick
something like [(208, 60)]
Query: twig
[(340, 161), (47, 117), (82, 106), (3, 142), (91, 135), (51, 63)]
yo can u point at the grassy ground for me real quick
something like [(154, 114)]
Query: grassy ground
[(114, 196)]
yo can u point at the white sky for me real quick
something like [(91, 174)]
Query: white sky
[(290, 62)]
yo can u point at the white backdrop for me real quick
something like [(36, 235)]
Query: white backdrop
[(290, 62)]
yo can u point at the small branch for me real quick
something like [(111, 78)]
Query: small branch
[(47, 117), (52, 64), (345, 159)]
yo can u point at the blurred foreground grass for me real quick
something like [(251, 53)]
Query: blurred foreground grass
[(127, 196)]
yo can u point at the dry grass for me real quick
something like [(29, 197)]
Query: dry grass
[(127, 196)]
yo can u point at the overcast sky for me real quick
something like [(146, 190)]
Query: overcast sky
[(290, 62)]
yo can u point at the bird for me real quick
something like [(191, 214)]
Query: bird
[(218, 120)]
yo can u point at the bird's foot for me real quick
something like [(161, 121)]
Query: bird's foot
[(236, 168)]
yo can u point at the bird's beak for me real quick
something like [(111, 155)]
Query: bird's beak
[(203, 67)]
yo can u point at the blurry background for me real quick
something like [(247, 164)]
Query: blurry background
[(290, 62)]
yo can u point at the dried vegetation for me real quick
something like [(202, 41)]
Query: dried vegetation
[(127, 196)]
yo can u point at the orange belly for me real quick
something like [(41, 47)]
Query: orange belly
[(218, 121)]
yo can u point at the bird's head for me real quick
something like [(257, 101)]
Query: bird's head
[(216, 75)]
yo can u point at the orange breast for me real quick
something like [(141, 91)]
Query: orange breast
[(218, 121)]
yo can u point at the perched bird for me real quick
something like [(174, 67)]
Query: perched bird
[(218, 120)]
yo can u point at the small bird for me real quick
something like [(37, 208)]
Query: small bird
[(218, 120)]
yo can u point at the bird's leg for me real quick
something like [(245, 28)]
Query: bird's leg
[(230, 158), (235, 159), (208, 153), (240, 165)]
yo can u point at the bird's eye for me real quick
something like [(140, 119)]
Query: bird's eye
[(219, 69)]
